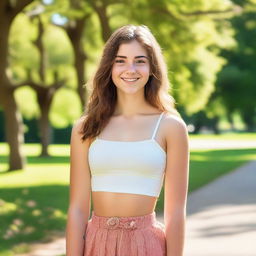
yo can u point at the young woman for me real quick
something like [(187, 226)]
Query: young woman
[(129, 142)]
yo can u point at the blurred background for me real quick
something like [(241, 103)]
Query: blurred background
[(48, 51)]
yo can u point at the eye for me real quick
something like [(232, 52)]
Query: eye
[(119, 61), (140, 61)]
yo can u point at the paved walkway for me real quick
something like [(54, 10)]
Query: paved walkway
[(221, 218)]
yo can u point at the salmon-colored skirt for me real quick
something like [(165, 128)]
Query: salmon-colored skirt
[(124, 236)]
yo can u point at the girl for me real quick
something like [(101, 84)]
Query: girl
[(129, 142)]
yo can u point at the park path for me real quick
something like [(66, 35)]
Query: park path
[(221, 218)]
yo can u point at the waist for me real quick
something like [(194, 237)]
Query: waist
[(130, 223), (122, 204)]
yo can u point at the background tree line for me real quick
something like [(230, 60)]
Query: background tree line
[(49, 49)]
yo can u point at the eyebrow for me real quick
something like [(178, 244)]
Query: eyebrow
[(136, 57)]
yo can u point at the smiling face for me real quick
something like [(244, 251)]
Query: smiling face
[(131, 68)]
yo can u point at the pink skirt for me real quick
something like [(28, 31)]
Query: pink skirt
[(124, 236)]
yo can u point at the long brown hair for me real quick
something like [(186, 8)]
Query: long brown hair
[(103, 97)]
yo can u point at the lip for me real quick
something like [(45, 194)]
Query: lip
[(130, 78), (126, 80), (130, 82)]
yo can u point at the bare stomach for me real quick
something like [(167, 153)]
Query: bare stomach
[(122, 204)]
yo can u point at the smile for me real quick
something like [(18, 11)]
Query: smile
[(130, 79)]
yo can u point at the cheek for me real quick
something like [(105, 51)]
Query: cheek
[(145, 71), (116, 71)]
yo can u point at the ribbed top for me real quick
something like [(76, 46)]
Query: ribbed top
[(135, 167)]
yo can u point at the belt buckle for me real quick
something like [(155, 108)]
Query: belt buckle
[(130, 225), (113, 222)]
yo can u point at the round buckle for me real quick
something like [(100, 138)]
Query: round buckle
[(113, 222), (130, 225)]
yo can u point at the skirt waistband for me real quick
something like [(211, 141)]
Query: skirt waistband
[(130, 223)]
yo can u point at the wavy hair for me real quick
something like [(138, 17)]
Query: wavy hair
[(103, 97)]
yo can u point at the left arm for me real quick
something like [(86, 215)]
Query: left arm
[(176, 185)]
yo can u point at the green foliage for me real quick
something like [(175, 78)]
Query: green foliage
[(24, 59), (191, 38), (65, 108), (191, 45), (93, 44), (58, 47), (23, 55), (29, 107), (236, 82)]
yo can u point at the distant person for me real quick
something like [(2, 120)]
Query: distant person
[(129, 141)]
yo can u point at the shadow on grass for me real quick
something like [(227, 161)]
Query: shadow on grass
[(31, 214), (37, 160), (41, 160)]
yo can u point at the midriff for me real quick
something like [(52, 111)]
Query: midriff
[(122, 204)]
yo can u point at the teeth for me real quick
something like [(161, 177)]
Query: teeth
[(130, 79)]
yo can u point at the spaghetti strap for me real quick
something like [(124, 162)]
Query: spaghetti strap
[(157, 125)]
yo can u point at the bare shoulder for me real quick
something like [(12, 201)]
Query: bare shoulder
[(174, 127), (78, 124), (77, 129)]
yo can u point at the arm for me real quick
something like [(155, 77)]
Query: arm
[(80, 193), (176, 184)]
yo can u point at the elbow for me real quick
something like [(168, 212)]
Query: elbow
[(77, 212)]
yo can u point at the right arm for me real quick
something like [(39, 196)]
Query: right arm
[(80, 193)]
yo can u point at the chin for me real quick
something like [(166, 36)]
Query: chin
[(131, 91)]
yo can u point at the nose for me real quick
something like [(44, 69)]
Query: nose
[(131, 68)]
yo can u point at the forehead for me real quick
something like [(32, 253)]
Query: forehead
[(133, 48)]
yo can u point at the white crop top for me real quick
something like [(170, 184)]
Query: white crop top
[(135, 167)]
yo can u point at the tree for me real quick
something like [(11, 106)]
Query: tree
[(44, 92), (236, 82), (45, 70), (74, 25), (13, 120)]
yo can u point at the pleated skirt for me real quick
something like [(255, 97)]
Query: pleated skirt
[(124, 236)]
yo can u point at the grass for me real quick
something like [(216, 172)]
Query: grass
[(207, 165), (34, 202), (226, 136)]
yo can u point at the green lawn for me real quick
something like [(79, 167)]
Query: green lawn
[(33, 202), (226, 136)]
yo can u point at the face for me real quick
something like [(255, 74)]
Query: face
[(131, 68)]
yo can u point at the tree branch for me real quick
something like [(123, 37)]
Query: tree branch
[(182, 16), (167, 12), (236, 10), (17, 6)]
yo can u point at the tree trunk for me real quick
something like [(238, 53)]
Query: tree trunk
[(80, 74), (44, 98), (45, 130), (13, 119), (104, 21), (75, 34), (248, 118), (231, 121), (215, 121), (13, 130)]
